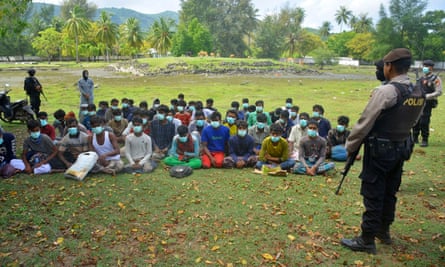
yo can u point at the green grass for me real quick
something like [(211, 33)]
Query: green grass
[(215, 217)]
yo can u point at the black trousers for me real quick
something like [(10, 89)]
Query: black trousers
[(422, 127), (35, 103), (381, 178)]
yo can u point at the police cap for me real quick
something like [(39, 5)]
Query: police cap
[(397, 54), (428, 63)]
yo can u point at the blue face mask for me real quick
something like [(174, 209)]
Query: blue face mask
[(200, 123), (182, 139), (192, 108), (118, 118), (281, 121), (180, 108), (169, 118), (215, 124), (144, 121), (73, 131), (303, 123), (293, 114), (230, 120), (137, 129), (259, 108), (260, 125), (43, 123), (114, 107), (124, 105), (426, 70), (275, 138), (245, 105), (288, 105), (312, 133), (340, 128), (316, 114), (1, 140), (161, 116), (242, 133), (84, 112), (35, 135), (91, 113), (97, 130)]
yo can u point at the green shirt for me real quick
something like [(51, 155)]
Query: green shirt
[(277, 150)]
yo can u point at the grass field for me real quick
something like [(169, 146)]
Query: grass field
[(215, 217)]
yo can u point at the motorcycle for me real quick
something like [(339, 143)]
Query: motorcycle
[(19, 110)]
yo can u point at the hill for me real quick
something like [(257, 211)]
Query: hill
[(118, 15)]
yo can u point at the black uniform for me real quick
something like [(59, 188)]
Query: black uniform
[(33, 88)]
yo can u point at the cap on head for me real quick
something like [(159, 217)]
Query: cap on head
[(428, 63), (397, 54)]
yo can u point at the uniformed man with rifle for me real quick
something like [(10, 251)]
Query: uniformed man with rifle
[(384, 129), (33, 89)]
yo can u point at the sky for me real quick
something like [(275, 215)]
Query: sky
[(317, 11)]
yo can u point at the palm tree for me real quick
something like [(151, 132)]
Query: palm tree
[(325, 30), (76, 26), (132, 33), (362, 24), (107, 32), (161, 34), (342, 16), (291, 19)]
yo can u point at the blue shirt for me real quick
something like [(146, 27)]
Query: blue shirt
[(216, 139), (241, 147), (323, 127)]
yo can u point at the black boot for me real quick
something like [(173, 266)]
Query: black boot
[(360, 244), (416, 139), (424, 142), (384, 236)]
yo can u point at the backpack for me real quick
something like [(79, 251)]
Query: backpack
[(180, 171)]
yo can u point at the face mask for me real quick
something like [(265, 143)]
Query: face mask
[(293, 114), (288, 105), (275, 138), (259, 108), (180, 108), (380, 75), (192, 108), (426, 70), (118, 118), (340, 128), (97, 130), (172, 107), (91, 113), (73, 131), (1, 140), (124, 105), (169, 118), (114, 107), (215, 124), (316, 114), (312, 133), (43, 123), (281, 121), (200, 123), (156, 105), (144, 121), (230, 120), (182, 139), (137, 129), (245, 105), (35, 135), (56, 121), (242, 133), (260, 125), (303, 123), (161, 117)]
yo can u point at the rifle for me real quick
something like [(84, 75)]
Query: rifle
[(349, 163), (44, 96)]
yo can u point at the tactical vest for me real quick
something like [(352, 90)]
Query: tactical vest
[(396, 122), (428, 83)]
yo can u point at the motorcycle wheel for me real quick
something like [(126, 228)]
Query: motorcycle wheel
[(4, 118)]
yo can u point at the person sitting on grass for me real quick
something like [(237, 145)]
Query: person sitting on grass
[(231, 118), (138, 149), (185, 150), (285, 123), (324, 124), (118, 124), (182, 114), (297, 132), (259, 132), (39, 152), (105, 144), (162, 132), (240, 148), (171, 118), (313, 153), (337, 139), (45, 127), (73, 143), (86, 119), (215, 139), (198, 124), (7, 154), (259, 109), (275, 150)]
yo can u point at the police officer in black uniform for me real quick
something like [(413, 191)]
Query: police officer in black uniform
[(33, 89), (432, 86), (384, 128)]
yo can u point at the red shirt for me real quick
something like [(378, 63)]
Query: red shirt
[(184, 118), (49, 131)]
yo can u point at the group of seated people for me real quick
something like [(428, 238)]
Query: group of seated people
[(189, 134)]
